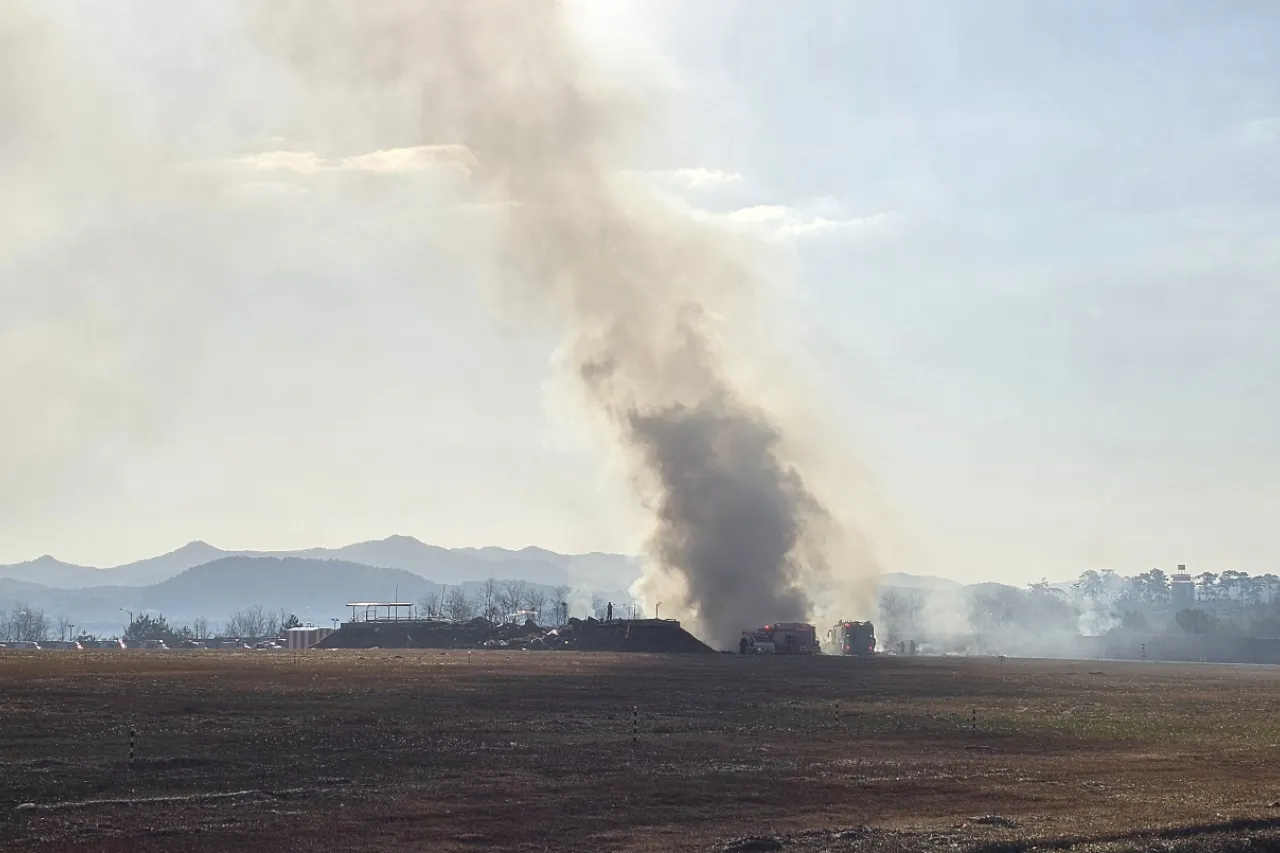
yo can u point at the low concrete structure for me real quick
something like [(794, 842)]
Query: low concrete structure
[(305, 637)]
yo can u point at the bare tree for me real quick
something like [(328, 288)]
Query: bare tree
[(535, 598), (250, 622), (893, 607), (25, 623), (459, 606), (489, 599), (599, 607), (200, 629), (561, 603), (916, 599), (279, 620), (511, 599), (432, 604), (64, 627)]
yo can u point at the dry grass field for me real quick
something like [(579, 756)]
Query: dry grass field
[(417, 750)]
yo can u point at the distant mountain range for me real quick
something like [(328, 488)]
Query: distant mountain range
[(316, 590), (442, 565), (200, 580)]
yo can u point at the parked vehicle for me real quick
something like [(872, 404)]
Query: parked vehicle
[(756, 643), (782, 638), (852, 638)]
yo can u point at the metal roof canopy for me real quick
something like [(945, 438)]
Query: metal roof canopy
[(395, 610)]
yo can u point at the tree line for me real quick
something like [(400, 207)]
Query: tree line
[(1098, 602), (515, 601), (24, 623), (984, 609), (1155, 587), (498, 602), (1229, 602)]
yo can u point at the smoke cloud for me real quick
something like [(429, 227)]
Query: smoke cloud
[(99, 272), (740, 538), (655, 303)]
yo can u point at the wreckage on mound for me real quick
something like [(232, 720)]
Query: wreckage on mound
[(588, 635)]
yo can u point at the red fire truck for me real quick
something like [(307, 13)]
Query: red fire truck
[(852, 638), (787, 638)]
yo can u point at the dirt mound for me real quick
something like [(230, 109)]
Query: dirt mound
[(640, 635), (633, 635), (416, 634)]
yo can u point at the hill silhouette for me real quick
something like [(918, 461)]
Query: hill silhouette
[(316, 590), (201, 580), (442, 565)]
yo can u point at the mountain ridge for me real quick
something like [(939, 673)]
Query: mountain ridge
[(598, 569), (316, 590), (316, 585), (433, 562)]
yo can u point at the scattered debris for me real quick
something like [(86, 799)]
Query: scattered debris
[(473, 838), (753, 844), (994, 820), (149, 801)]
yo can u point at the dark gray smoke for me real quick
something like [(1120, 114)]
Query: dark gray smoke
[(731, 513), (639, 285)]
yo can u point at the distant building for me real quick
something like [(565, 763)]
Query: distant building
[(1182, 589)]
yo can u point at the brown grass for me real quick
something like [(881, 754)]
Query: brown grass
[(422, 750)]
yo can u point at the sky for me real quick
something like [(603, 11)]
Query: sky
[(1025, 256)]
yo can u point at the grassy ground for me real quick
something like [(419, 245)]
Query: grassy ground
[(533, 751)]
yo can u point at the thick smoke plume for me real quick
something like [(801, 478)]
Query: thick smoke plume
[(740, 539), (125, 244)]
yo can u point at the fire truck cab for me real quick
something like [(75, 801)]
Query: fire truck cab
[(756, 643), (852, 638)]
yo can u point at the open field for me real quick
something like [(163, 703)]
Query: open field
[(420, 750)]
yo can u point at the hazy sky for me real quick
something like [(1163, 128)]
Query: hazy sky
[(1029, 253)]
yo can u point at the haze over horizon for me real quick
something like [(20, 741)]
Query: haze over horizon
[(1027, 261), (292, 549)]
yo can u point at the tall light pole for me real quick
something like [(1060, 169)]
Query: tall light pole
[(130, 612), (657, 608)]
